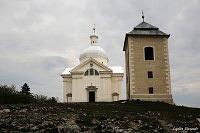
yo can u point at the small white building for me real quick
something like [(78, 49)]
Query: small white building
[(92, 80)]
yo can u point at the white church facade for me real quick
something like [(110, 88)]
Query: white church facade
[(93, 80)]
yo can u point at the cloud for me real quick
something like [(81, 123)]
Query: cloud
[(38, 39), (41, 73)]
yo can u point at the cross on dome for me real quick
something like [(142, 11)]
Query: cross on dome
[(94, 28), (143, 16)]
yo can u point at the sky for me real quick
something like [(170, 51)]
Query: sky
[(40, 38)]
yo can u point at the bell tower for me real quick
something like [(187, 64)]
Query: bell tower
[(147, 64)]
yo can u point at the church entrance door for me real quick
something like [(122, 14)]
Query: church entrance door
[(91, 96)]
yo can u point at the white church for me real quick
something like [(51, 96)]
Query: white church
[(93, 80)]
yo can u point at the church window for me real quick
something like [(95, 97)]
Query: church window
[(86, 73), (91, 72), (149, 53), (150, 90), (96, 72), (150, 74)]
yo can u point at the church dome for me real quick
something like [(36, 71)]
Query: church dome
[(93, 51)]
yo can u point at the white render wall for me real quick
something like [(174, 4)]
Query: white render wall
[(106, 83), (105, 87), (117, 84), (67, 88)]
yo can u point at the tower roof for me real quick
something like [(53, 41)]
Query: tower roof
[(144, 25), (146, 29)]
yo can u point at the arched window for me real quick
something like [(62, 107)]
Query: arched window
[(148, 53), (91, 72), (86, 73), (96, 72)]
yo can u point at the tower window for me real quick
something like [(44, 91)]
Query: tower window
[(91, 72), (149, 53), (150, 74), (150, 90)]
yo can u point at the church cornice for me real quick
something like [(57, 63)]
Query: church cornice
[(105, 72), (117, 75), (66, 75)]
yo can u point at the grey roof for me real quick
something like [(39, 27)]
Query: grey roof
[(144, 25), (146, 29)]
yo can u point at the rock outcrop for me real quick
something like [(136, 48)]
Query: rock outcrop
[(117, 117)]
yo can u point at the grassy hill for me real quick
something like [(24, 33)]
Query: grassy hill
[(122, 116)]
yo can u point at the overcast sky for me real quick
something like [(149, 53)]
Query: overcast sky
[(40, 38)]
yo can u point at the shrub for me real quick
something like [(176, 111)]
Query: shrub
[(23, 98), (9, 95), (7, 90), (44, 99)]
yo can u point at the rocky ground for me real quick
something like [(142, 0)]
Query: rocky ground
[(123, 116)]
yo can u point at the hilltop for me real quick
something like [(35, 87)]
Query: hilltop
[(121, 116)]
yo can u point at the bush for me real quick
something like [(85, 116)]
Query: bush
[(44, 99), (7, 90), (23, 98), (9, 95)]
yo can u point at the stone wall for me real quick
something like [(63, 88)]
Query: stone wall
[(138, 68)]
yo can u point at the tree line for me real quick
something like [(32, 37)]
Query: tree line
[(9, 95)]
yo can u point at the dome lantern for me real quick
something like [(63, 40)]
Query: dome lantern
[(94, 37)]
